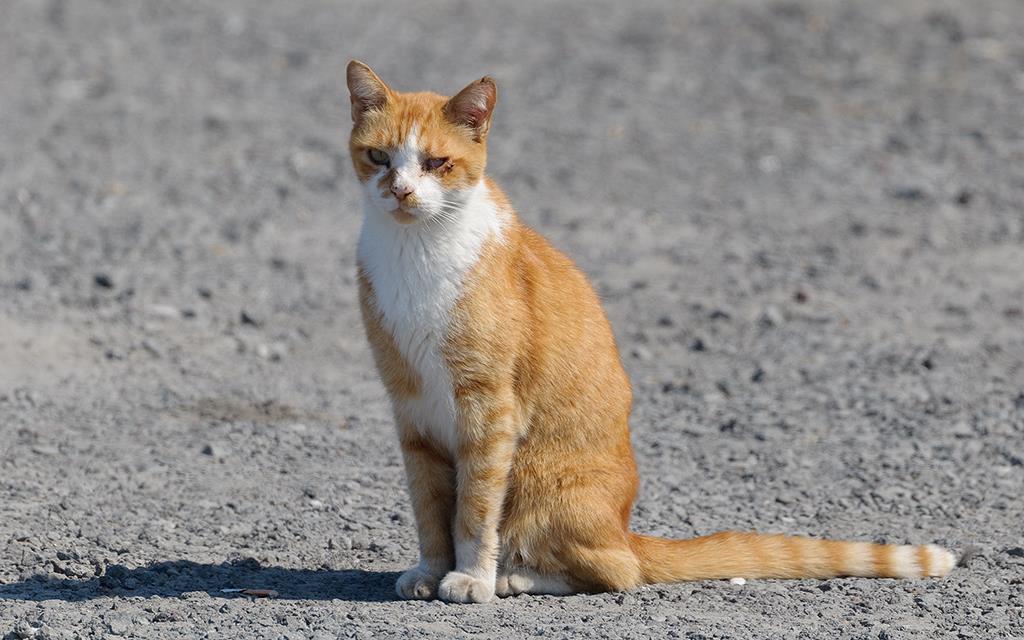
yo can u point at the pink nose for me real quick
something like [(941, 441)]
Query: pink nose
[(401, 192)]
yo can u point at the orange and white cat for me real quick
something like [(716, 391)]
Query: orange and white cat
[(511, 403)]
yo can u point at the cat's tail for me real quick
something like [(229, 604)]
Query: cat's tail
[(732, 554)]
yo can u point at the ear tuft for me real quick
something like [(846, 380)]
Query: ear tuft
[(366, 90), (472, 107)]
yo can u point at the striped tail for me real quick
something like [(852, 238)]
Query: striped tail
[(732, 554)]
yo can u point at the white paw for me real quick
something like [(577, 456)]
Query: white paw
[(502, 588), (416, 584), (522, 580), (511, 584), (464, 588)]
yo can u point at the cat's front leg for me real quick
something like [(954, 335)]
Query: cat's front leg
[(487, 440), (431, 482)]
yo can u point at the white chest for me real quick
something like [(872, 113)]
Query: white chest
[(417, 273)]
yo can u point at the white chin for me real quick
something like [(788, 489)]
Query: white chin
[(403, 217)]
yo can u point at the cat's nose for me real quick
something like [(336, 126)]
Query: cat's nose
[(401, 191)]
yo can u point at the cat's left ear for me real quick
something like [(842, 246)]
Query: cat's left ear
[(472, 107)]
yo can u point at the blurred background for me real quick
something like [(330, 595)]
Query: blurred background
[(806, 220)]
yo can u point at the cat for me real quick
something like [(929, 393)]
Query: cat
[(508, 393)]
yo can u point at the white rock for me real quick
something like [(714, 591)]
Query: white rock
[(163, 311)]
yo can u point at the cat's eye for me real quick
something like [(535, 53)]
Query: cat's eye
[(379, 157), (433, 164)]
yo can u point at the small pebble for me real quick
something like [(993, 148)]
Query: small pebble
[(118, 626), (247, 318), (771, 316), (360, 542), (739, 581), (152, 348), (216, 451), (641, 352), (163, 311), (23, 630), (273, 352), (907, 193)]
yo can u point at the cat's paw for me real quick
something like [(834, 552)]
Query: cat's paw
[(416, 584), (502, 588), (523, 580), (464, 588)]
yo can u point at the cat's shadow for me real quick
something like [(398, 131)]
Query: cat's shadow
[(172, 579)]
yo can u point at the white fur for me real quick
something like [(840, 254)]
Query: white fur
[(465, 588), (417, 271), (409, 169), (859, 559), (904, 562), (940, 561), (418, 583), (523, 580), (472, 557)]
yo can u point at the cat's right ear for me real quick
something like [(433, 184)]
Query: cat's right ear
[(365, 89)]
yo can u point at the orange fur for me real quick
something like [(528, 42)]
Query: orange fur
[(542, 480)]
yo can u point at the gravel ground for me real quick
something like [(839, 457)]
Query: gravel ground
[(805, 219)]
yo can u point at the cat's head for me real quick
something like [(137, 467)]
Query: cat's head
[(417, 155)]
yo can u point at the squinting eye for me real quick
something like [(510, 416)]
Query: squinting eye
[(379, 157), (433, 164)]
